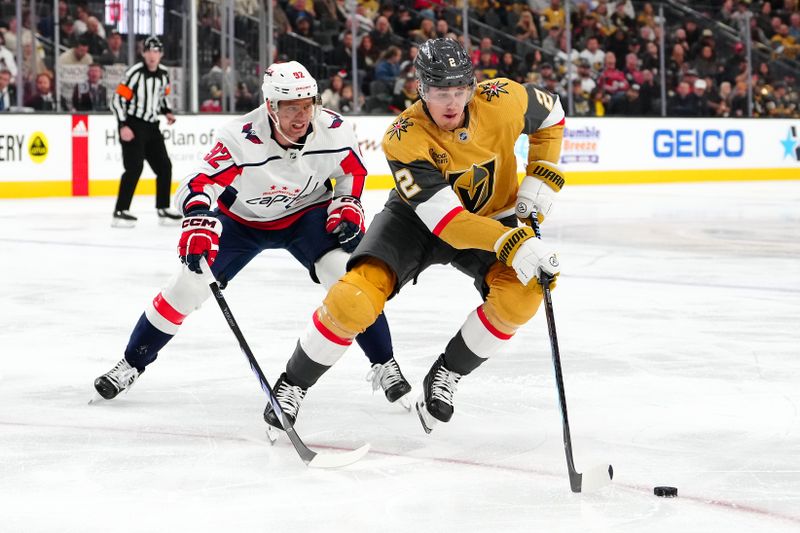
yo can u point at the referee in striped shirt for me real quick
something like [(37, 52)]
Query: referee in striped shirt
[(138, 101)]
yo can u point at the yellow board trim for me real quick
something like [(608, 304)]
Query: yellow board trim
[(44, 189)]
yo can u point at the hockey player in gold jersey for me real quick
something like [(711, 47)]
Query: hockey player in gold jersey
[(457, 200)]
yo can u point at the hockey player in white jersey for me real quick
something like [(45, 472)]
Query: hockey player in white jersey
[(270, 173)]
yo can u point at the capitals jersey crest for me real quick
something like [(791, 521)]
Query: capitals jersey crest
[(474, 186), (250, 133)]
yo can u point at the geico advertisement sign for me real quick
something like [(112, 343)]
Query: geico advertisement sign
[(695, 143)]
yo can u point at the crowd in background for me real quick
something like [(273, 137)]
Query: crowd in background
[(614, 67)]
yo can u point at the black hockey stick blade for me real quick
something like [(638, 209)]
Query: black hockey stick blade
[(307, 455)]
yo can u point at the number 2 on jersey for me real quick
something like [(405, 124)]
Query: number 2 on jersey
[(405, 183)]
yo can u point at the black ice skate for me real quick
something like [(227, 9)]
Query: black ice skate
[(389, 378), (168, 217), (118, 379), (123, 219), (435, 404), (289, 397)]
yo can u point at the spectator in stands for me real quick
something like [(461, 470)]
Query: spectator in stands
[(426, 30), (509, 67), (303, 27), (485, 45), (280, 21), (388, 66), (410, 55), (97, 44), (779, 104), (676, 64), (327, 12), (217, 83), (333, 93), (649, 93), (46, 24), (561, 60), (621, 20), (763, 73), (691, 32), (683, 103), (244, 99), (611, 80), (300, 8), (82, 24), (382, 35), (32, 66), (538, 77), (585, 76), (551, 43), (739, 100), (7, 61), (44, 100), (91, 95), (346, 103), (627, 104), (485, 70), (67, 36), (442, 28), (78, 54), (407, 95), (8, 93), (525, 30), (554, 15), (115, 53), (794, 26), (701, 96), (593, 54), (402, 22), (618, 44), (718, 100), (580, 102), (784, 44), (553, 85), (647, 16), (343, 52), (706, 63), (631, 70), (650, 59), (369, 54)]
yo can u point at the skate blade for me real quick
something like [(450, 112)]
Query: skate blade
[(96, 398), (425, 418), (405, 402), (272, 434)]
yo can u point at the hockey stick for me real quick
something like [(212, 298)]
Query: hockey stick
[(309, 456), (595, 477)]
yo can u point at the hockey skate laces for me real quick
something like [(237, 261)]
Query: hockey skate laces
[(123, 374), (290, 396), (444, 385), (386, 375)]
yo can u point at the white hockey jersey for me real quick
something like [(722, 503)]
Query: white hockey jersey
[(257, 182)]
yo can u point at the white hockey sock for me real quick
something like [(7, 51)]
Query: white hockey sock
[(321, 344)]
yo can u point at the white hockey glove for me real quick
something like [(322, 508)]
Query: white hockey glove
[(538, 189), (528, 256), (346, 221)]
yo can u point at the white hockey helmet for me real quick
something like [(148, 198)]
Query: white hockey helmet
[(288, 81)]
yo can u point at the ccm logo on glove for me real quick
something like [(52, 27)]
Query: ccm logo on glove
[(200, 238)]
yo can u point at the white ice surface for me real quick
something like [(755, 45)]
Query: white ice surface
[(678, 314)]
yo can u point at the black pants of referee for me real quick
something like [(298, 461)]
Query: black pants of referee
[(147, 145)]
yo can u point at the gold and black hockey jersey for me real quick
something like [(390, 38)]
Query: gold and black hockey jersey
[(460, 182)]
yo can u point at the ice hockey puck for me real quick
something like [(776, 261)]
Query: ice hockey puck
[(665, 492)]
